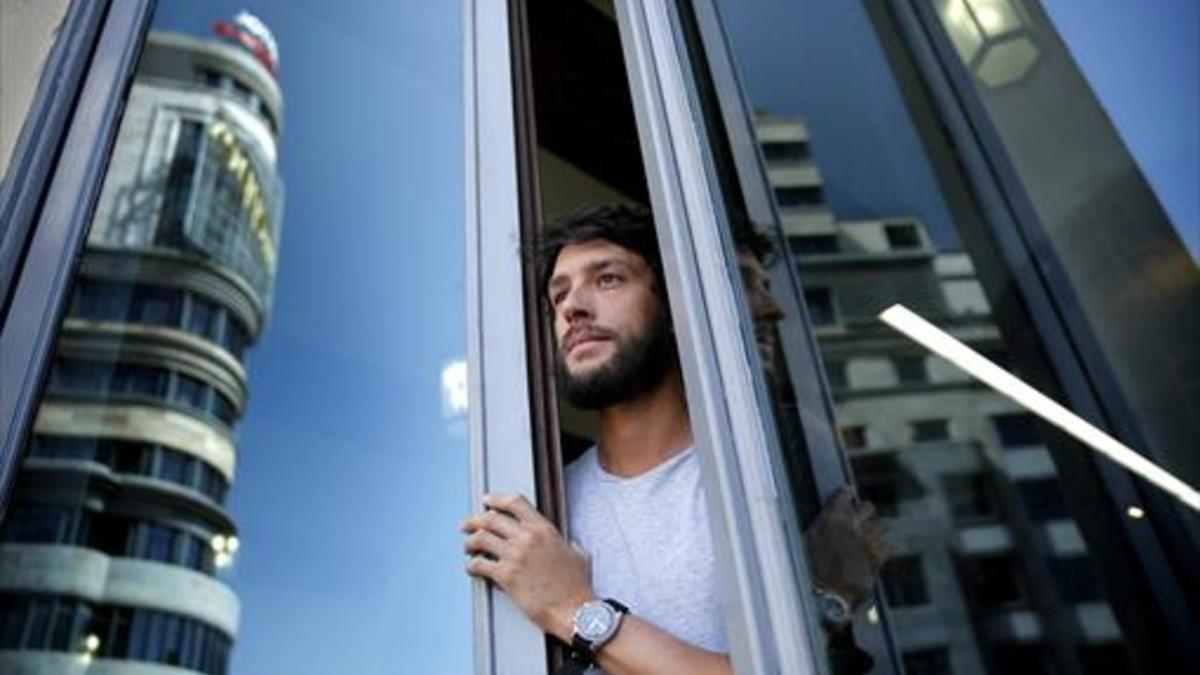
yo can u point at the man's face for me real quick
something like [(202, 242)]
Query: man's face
[(764, 309), (612, 331)]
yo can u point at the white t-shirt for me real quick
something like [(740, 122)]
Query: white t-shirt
[(650, 544)]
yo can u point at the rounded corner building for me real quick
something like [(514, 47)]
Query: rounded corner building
[(118, 527)]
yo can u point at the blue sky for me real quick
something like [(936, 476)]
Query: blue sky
[(350, 485), (350, 481)]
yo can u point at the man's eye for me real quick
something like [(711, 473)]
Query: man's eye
[(608, 280), (557, 299)]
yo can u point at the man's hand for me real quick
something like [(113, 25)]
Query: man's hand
[(523, 553), (846, 547)]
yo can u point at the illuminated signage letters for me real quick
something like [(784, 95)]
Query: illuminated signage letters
[(252, 202)]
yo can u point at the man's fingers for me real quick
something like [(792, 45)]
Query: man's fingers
[(496, 522), (865, 512), (843, 496), (841, 504), (513, 503), (874, 527), (479, 566), (483, 541)]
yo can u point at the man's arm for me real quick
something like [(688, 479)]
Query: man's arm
[(522, 552)]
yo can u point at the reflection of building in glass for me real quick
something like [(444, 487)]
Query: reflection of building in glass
[(991, 573), (117, 526)]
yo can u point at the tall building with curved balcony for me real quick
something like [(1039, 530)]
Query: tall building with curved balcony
[(115, 535)]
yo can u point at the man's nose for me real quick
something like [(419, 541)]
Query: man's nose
[(576, 305), (766, 308)]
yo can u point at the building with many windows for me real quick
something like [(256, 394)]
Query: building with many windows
[(118, 526), (990, 573)]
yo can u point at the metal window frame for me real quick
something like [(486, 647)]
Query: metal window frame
[(60, 219), (501, 439), (730, 411)]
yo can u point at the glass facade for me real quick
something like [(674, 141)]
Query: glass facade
[(214, 478), (254, 434)]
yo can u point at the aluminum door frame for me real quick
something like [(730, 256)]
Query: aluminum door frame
[(765, 603), (501, 439), (56, 238), (830, 464)]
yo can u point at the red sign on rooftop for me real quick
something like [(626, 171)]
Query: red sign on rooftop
[(253, 35)]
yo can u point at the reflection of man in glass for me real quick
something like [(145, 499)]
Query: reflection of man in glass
[(845, 543), (635, 499)]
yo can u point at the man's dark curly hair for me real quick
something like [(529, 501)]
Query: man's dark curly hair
[(630, 227), (749, 237)]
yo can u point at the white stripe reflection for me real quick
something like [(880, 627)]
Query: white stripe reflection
[(946, 346)]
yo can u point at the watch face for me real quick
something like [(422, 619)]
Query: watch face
[(593, 620), (834, 608)]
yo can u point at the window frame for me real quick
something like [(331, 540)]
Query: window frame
[(498, 410), (54, 199), (749, 518), (765, 600)]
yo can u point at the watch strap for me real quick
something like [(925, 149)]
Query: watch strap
[(572, 667), (621, 609)]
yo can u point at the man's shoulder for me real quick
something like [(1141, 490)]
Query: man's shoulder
[(580, 471), (579, 467)]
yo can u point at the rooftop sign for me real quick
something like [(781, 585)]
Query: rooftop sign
[(252, 34)]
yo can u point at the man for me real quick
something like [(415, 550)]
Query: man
[(635, 499)]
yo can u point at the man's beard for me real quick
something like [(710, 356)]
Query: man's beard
[(638, 366)]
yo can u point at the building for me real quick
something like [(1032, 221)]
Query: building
[(990, 573), (118, 528)]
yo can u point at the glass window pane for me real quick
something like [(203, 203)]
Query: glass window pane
[(37, 630), (235, 336), (202, 315), (131, 458), (904, 582), (156, 306), (190, 391), (36, 523), (174, 466), (875, 206), (930, 430), (159, 543), (65, 447), (101, 300), (245, 202), (223, 409), (13, 613)]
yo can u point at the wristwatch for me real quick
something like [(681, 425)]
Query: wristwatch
[(835, 611), (596, 622)]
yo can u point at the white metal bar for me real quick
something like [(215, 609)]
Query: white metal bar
[(980, 367), (506, 642), (765, 618)]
